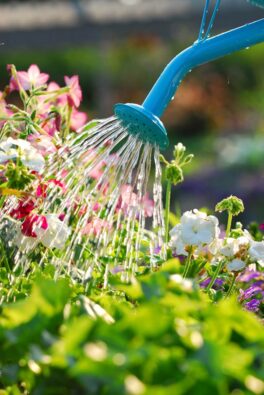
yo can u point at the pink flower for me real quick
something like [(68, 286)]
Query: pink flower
[(4, 111), (83, 209), (88, 158), (78, 119), (42, 143), (127, 199), (96, 226), (31, 222), (97, 172), (74, 95), (53, 86), (45, 102), (28, 79), (148, 205)]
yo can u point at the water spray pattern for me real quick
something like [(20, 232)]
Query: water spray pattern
[(104, 207)]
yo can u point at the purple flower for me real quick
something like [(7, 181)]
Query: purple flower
[(253, 305), (253, 290), (180, 257), (249, 275), (157, 250), (217, 285)]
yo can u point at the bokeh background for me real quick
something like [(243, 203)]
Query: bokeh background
[(119, 47)]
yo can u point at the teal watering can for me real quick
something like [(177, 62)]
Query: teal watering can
[(144, 120)]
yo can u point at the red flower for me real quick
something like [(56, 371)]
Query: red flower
[(23, 209), (30, 223), (42, 188)]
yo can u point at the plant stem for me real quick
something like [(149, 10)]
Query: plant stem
[(187, 265), (2, 200), (230, 290), (4, 258), (167, 211), (229, 224), (213, 279)]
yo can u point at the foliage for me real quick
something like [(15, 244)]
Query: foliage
[(164, 340)]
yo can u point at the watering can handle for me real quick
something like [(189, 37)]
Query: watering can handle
[(259, 3), (199, 53)]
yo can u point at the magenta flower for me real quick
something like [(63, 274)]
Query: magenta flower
[(74, 95), (31, 222), (42, 189), (78, 120), (261, 227), (23, 209), (32, 78)]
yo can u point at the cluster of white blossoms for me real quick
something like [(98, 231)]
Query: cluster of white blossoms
[(54, 236), (12, 149), (198, 231)]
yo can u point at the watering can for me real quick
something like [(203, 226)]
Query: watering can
[(144, 120)]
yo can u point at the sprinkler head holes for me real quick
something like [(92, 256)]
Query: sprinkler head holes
[(142, 123)]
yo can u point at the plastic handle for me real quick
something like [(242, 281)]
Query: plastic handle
[(260, 3)]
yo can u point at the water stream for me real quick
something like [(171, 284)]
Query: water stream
[(106, 202)]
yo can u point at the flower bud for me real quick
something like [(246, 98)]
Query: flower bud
[(232, 204), (179, 151), (174, 174)]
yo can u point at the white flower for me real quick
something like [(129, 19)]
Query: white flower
[(11, 149), (24, 243), (256, 251), (236, 265), (197, 228), (186, 284), (232, 246), (56, 235), (215, 246), (176, 242)]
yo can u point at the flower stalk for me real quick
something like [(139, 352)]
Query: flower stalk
[(167, 211), (188, 263), (174, 176), (232, 285), (215, 275)]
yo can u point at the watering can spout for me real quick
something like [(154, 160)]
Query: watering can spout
[(199, 53)]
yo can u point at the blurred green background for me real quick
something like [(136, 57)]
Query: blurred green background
[(217, 112)]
